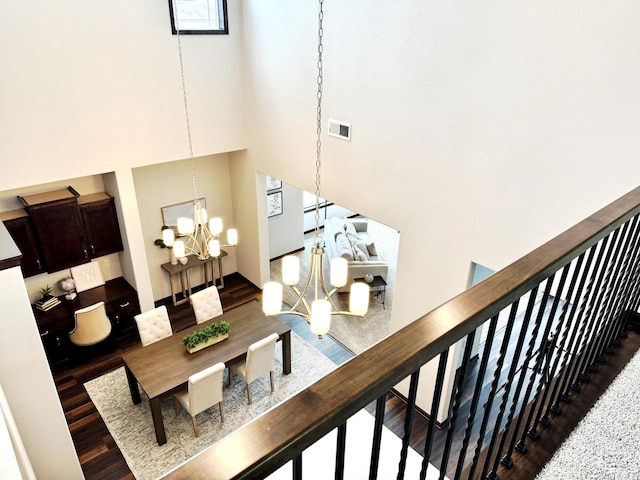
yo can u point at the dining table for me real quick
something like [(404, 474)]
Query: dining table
[(163, 368)]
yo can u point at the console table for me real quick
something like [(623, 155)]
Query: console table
[(179, 273)]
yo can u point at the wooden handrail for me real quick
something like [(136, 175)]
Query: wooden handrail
[(267, 443)]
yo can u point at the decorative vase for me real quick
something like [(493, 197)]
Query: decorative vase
[(208, 343), (368, 278)]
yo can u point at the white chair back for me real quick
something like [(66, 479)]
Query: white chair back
[(260, 357), (206, 304), (205, 388), (153, 325), (92, 325)]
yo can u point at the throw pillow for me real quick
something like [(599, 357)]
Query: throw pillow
[(343, 247), (371, 248), (360, 255), (350, 229)]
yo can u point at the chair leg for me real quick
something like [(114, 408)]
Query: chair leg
[(195, 426), (229, 381), (272, 383), (249, 392), (176, 404), (221, 413)]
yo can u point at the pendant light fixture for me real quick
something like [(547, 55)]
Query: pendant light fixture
[(198, 235), (318, 313)]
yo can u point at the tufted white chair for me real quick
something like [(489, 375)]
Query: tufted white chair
[(204, 390), (206, 304), (153, 325), (259, 362), (92, 325)]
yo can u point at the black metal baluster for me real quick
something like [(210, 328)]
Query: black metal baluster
[(377, 437), (457, 395), (476, 394), (621, 275), (564, 359), (629, 288), (494, 387), (297, 467), (408, 422), (576, 336), (597, 317), (507, 390), (435, 404), (607, 317), (341, 447), (507, 461), (586, 326), (520, 446)]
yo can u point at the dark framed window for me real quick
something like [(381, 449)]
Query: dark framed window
[(199, 17)]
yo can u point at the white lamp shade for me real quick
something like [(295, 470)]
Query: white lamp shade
[(359, 298), (168, 237), (185, 226), (320, 316), (214, 248), (178, 249), (203, 216), (338, 273), (290, 270), (232, 236), (215, 226), (272, 298)]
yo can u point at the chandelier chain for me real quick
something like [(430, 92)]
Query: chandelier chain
[(186, 106), (319, 119)]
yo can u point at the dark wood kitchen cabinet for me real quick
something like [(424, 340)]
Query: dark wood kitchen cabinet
[(18, 224), (59, 228), (68, 229), (100, 223)]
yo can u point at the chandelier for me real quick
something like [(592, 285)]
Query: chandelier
[(318, 313), (198, 235)]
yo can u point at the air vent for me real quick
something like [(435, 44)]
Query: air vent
[(340, 129)]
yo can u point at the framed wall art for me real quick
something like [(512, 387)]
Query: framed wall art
[(274, 204), (273, 183), (87, 276)]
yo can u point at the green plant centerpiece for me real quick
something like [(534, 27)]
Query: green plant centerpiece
[(214, 333)]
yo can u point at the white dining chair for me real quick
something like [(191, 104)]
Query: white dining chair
[(258, 363), (206, 304), (153, 325), (204, 390)]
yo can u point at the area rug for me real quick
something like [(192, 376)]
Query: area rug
[(132, 428), (605, 442)]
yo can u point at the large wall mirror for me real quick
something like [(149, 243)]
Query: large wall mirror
[(170, 213)]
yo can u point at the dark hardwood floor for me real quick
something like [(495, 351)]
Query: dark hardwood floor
[(100, 457), (98, 453)]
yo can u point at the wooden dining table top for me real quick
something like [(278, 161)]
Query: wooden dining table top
[(165, 366)]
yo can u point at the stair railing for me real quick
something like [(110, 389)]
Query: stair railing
[(549, 319)]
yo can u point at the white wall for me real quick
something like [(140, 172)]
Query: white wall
[(153, 193), (90, 87), (27, 382), (512, 121), (286, 231)]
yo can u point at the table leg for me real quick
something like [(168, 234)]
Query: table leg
[(219, 262), (158, 424), (133, 386), (286, 353)]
